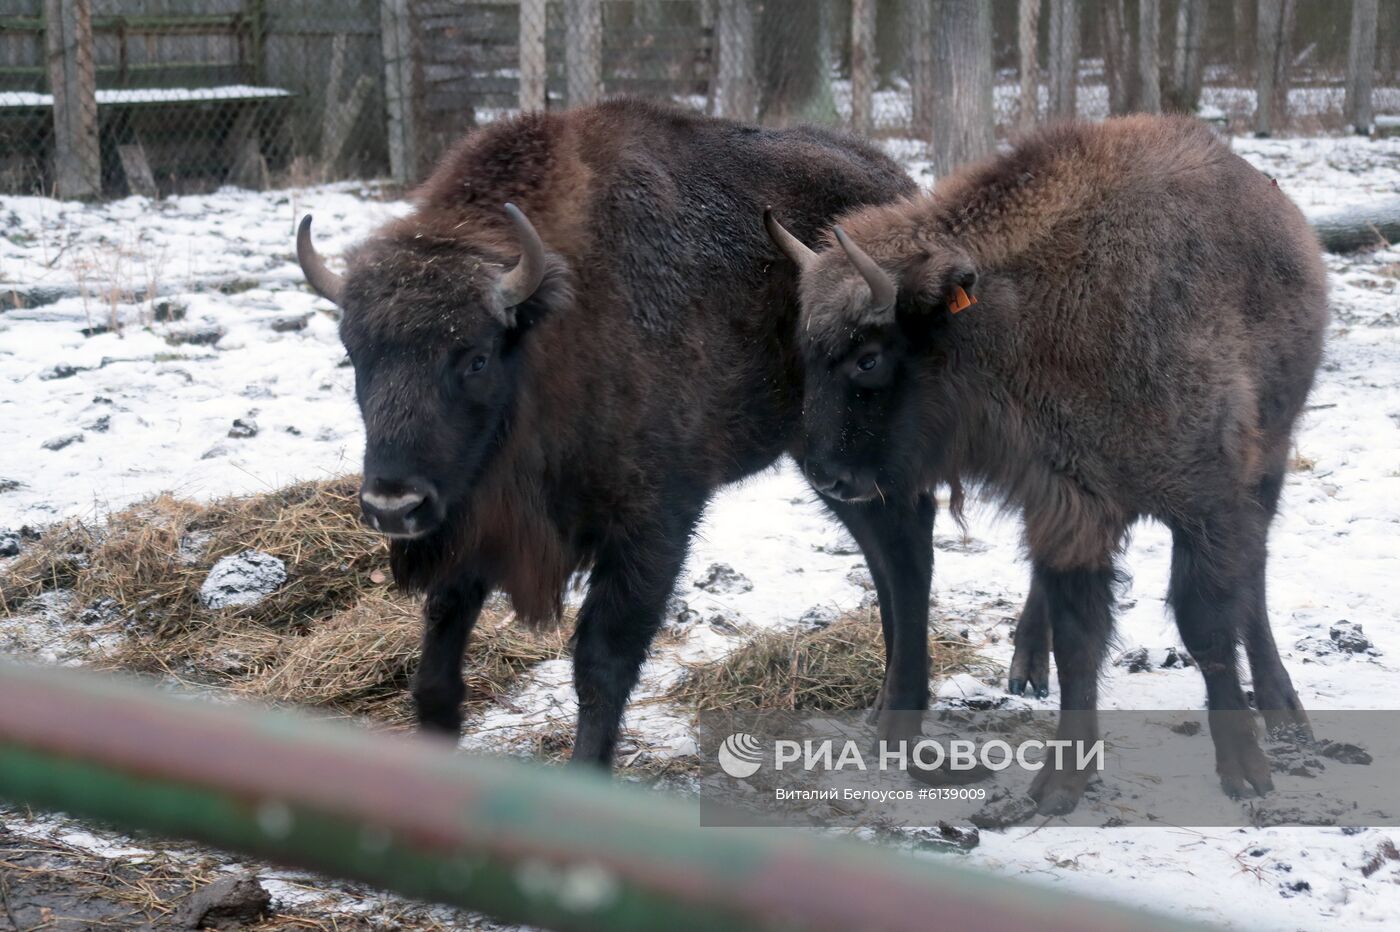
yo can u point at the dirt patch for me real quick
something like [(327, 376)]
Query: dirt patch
[(56, 887)]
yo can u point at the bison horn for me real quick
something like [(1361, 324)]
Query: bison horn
[(791, 246), (327, 284), (882, 288), (520, 282)]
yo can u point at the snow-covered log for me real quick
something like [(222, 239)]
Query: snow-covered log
[(1358, 228)]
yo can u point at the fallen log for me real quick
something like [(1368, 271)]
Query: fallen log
[(1361, 227)]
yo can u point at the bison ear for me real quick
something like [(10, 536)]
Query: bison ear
[(554, 295), (946, 280)]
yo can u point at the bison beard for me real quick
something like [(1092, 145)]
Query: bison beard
[(1150, 313), (513, 439)]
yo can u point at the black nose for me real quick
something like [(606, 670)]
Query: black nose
[(400, 507), (833, 481)]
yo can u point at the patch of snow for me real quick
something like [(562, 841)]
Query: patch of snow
[(150, 95), (94, 277)]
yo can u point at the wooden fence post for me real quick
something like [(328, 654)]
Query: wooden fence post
[(73, 81), (583, 50), (533, 64), (862, 65), (396, 42)]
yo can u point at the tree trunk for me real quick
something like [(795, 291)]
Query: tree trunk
[(1149, 70), (735, 87), (962, 72), (862, 65), (1028, 34), (920, 30), (1242, 22), (1064, 57), (1361, 62), (1275, 32), (891, 45), (1187, 64), (1119, 63), (794, 60), (1360, 227)]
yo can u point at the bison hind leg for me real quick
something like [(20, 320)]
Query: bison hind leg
[(1030, 664), (1215, 600)]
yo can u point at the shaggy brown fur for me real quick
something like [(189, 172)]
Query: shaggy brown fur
[(655, 363), (1150, 315)]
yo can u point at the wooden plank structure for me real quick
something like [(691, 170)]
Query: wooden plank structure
[(373, 86)]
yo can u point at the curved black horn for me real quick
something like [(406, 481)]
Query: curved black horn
[(520, 282), (327, 284), (791, 246), (882, 288)]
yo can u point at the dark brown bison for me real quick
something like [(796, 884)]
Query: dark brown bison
[(1149, 313), (565, 392)]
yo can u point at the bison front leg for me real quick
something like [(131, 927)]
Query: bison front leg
[(898, 544), (632, 580), (1080, 605), (1030, 664), (449, 614)]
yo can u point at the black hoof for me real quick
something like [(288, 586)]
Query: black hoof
[(1016, 687), (1042, 692)]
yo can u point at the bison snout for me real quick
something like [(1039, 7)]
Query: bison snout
[(840, 483), (400, 507)]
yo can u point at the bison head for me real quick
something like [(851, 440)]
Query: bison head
[(434, 325), (865, 335)]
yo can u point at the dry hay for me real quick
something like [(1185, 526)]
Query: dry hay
[(334, 635), (839, 667)]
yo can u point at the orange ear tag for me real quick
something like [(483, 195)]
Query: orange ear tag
[(960, 301)]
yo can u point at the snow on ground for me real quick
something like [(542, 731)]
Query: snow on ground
[(106, 400)]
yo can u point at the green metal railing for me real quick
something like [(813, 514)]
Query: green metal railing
[(557, 848)]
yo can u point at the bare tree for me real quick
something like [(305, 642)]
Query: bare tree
[(919, 26), (1361, 62), (891, 44), (1275, 34), (1187, 61), (1028, 33), (1064, 56), (962, 82), (1149, 68), (862, 64), (1243, 22)]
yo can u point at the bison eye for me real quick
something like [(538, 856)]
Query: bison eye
[(477, 364), (868, 361)]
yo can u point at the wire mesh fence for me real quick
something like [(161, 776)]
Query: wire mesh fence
[(109, 97)]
